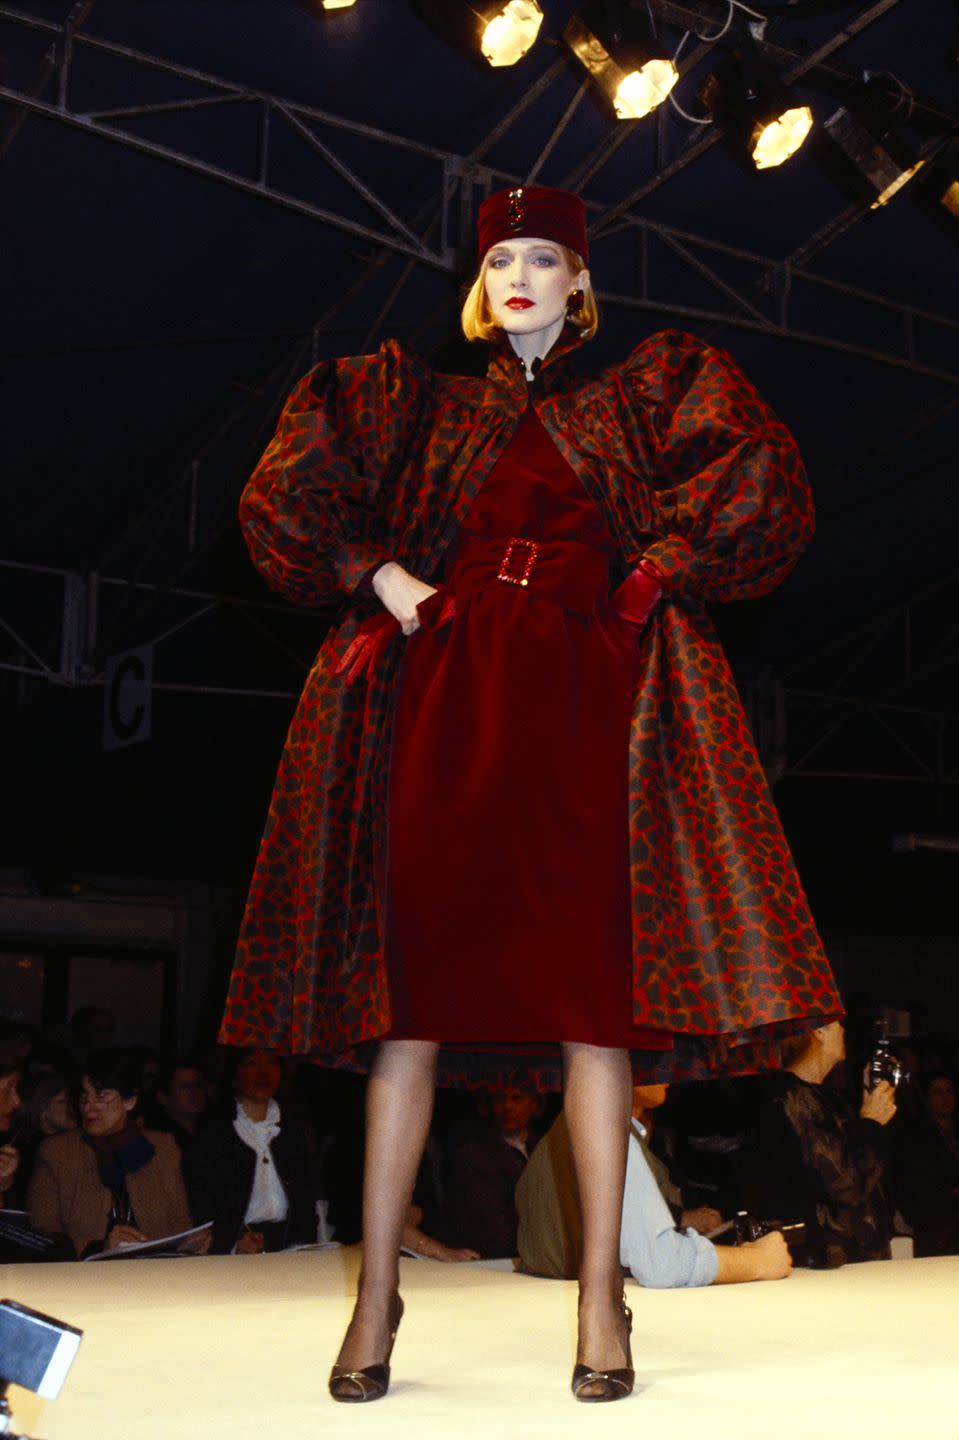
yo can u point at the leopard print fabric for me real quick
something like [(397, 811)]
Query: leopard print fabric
[(376, 458)]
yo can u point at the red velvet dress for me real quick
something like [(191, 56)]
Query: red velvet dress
[(508, 914)]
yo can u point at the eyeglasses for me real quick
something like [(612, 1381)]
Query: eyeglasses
[(99, 1097)]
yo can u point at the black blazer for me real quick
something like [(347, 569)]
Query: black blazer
[(224, 1180)]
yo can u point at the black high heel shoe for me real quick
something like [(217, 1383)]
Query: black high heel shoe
[(355, 1387), (612, 1384)]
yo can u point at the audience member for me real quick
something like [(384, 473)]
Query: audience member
[(651, 1248), (925, 1166), (481, 1174), (9, 1105), (818, 1161), (111, 1182), (150, 1066), (47, 1108), (181, 1107), (260, 1180)]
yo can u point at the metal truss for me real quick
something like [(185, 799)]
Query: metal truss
[(432, 238), (73, 658), (460, 181), (814, 722)]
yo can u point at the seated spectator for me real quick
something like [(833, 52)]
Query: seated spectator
[(819, 1162), (260, 1178), (183, 1099), (47, 1108), (111, 1182), (9, 1105), (150, 1066), (651, 1248), (925, 1165), (181, 1106), (481, 1174)]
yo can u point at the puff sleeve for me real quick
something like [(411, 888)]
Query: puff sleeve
[(313, 509), (731, 507)]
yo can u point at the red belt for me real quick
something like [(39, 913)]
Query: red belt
[(570, 574)]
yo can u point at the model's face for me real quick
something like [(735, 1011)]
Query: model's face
[(528, 283), (9, 1100), (102, 1111), (258, 1076)]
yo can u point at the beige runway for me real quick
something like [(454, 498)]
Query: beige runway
[(238, 1346)]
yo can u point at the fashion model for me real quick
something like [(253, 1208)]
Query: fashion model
[(519, 816)]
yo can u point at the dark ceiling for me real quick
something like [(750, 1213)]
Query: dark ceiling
[(161, 294)]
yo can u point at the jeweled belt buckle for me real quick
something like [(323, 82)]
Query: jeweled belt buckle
[(518, 571)]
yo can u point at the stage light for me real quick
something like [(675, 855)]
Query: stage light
[(502, 33), (776, 141), (321, 9), (865, 154), (949, 199), (512, 32), (756, 111), (635, 79)]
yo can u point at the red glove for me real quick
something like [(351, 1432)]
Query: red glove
[(437, 609), (639, 594), (361, 656)]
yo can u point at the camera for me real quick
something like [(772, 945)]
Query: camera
[(883, 1064), (746, 1228)]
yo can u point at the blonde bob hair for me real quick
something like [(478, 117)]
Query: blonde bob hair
[(476, 316)]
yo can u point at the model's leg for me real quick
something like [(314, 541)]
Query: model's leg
[(399, 1104), (598, 1094)]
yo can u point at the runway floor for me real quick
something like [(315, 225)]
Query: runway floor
[(241, 1346)]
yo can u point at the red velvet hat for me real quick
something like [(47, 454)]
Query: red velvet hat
[(533, 211)]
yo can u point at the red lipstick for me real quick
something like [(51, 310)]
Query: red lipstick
[(518, 303)]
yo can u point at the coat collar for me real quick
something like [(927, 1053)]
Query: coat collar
[(505, 368)]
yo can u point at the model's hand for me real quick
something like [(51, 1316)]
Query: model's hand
[(400, 592), (771, 1256), (703, 1218), (879, 1104), (9, 1162), (123, 1235)]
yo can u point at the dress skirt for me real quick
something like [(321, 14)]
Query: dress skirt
[(507, 910)]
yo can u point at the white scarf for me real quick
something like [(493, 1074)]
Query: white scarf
[(267, 1197)]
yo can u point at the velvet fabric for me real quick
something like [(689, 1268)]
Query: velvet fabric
[(508, 879), (535, 211)]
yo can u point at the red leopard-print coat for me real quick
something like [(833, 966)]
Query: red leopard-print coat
[(378, 458)]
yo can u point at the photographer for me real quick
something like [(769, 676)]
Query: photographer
[(817, 1160)]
